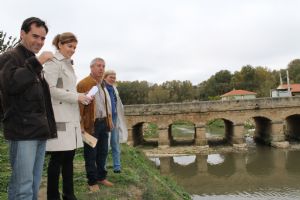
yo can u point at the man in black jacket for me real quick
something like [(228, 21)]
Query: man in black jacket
[(28, 119)]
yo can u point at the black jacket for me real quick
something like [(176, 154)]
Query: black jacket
[(27, 107)]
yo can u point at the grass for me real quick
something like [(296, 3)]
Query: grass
[(179, 129), (139, 179), (4, 167)]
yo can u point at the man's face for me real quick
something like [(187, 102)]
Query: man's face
[(34, 39), (97, 69)]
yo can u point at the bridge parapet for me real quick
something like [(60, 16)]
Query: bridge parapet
[(212, 106)]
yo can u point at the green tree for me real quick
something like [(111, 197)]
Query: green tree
[(244, 79), (223, 82), (179, 91), (266, 80), (186, 91), (158, 94), (294, 71), (215, 86), (135, 92), (173, 88)]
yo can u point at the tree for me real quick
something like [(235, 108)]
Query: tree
[(186, 91), (135, 92), (215, 86), (267, 81), (6, 43), (294, 71), (223, 82), (245, 79), (158, 94)]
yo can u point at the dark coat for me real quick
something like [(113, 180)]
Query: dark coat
[(28, 113)]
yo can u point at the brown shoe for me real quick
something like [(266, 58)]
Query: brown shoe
[(106, 183), (93, 188)]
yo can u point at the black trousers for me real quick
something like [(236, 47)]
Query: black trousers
[(95, 158), (60, 161)]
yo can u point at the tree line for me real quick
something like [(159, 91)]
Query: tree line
[(256, 79)]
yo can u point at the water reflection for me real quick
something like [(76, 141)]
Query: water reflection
[(264, 173), (263, 160), (225, 168), (293, 163), (215, 159), (184, 160)]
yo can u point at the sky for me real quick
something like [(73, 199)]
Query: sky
[(164, 40)]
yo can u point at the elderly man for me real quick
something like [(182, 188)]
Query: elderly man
[(28, 115), (94, 121)]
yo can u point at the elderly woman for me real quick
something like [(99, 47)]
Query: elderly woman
[(119, 132), (59, 73)]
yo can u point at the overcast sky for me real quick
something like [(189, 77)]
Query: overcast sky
[(163, 40)]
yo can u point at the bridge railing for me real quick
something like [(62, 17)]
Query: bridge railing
[(212, 106)]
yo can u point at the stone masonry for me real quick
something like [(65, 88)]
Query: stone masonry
[(276, 119)]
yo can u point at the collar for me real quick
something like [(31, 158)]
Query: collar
[(25, 51), (97, 82), (60, 57), (107, 84)]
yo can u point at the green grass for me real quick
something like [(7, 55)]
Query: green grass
[(151, 131), (140, 179), (4, 167)]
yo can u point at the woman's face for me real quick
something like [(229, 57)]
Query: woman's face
[(110, 79), (67, 49)]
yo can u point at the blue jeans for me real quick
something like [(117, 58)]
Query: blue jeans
[(26, 159), (115, 148), (95, 158)]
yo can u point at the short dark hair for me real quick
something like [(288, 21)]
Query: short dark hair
[(33, 20)]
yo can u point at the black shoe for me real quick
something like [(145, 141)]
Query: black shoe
[(117, 171), (57, 198), (53, 198), (69, 197)]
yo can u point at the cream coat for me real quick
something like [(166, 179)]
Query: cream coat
[(121, 123), (61, 78)]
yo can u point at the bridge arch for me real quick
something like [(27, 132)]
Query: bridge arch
[(222, 134), (292, 128), (137, 134), (263, 130), (182, 132)]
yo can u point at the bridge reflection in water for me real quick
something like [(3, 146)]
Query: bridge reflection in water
[(261, 173)]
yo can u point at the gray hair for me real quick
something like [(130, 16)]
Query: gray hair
[(109, 72), (95, 60)]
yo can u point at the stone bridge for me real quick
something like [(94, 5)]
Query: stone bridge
[(277, 120)]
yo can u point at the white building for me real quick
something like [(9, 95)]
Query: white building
[(284, 91)]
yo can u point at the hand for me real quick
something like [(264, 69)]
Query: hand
[(45, 56), (85, 100)]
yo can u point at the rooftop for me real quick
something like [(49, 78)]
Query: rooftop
[(238, 92)]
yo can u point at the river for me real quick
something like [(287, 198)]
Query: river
[(261, 173)]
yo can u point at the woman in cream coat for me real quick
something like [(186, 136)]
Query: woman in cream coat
[(61, 77)]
